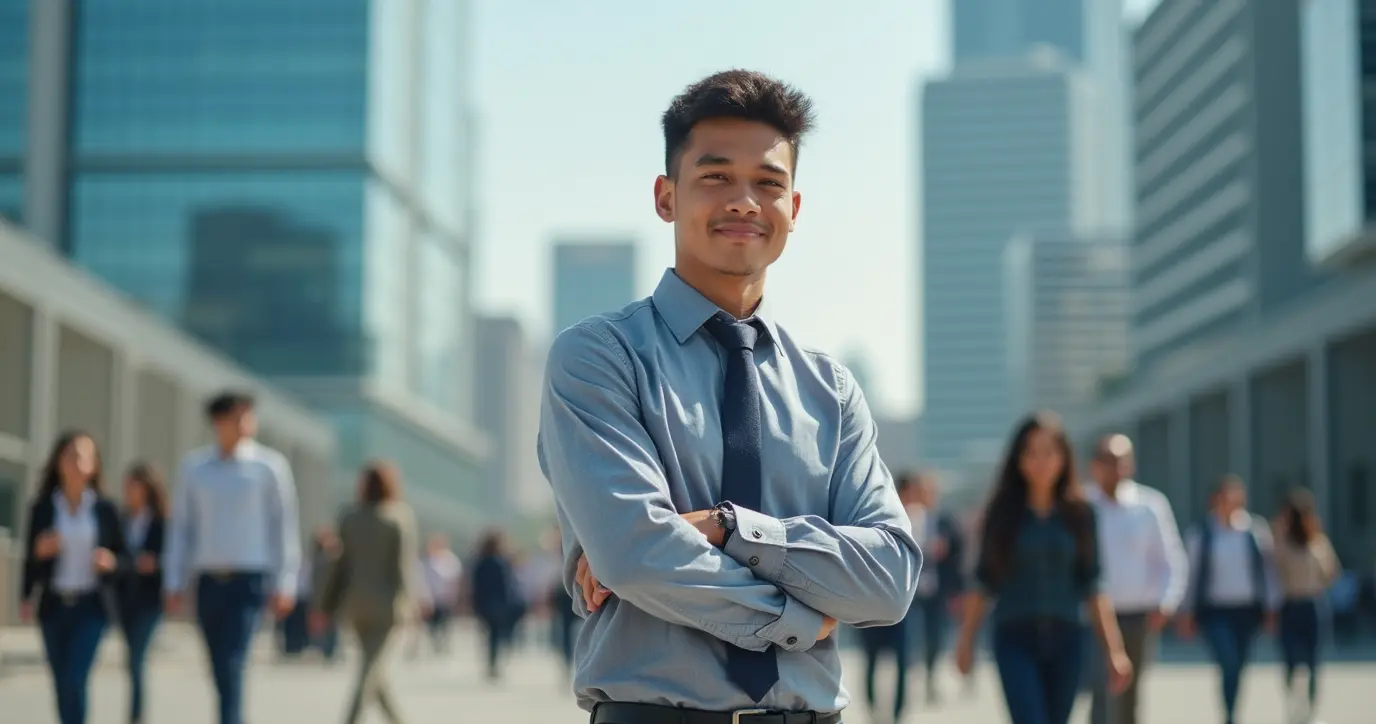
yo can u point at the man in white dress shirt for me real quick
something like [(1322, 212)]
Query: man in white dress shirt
[(234, 539), (1145, 571)]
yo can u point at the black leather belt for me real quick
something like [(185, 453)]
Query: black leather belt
[(618, 713)]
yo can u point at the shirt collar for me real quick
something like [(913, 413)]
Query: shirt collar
[(241, 451), (88, 498), (1124, 493), (684, 309)]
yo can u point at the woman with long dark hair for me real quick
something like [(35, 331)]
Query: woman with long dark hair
[(73, 555), (1307, 567), (1039, 560), (373, 582), (145, 516)]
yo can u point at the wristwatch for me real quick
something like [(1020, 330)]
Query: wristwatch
[(725, 515)]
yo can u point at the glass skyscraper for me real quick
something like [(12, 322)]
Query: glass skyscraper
[(289, 180), (591, 277)]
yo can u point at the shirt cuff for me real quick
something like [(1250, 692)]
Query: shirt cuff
[(285, 585), (795, 629), (758, 543)]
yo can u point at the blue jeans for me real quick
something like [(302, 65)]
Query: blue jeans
[(138, 634), (1229, 634), (228, 608), (1039, 664), (71, 637), (1301, 629)]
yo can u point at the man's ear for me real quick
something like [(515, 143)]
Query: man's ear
[(664, 198)]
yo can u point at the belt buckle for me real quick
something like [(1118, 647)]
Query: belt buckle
[(68, 599), (737, 714), (222, 576)]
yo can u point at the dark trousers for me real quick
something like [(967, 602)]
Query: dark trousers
[(1229, 633), (139, 626), (565, 624), (1139, 643), (499, 630), (438, 626), (878, 640), (1301, 629), (933, 620), (1039, 665), (228, 608), (71, 637)]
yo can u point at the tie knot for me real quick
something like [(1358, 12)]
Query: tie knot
[(732, 333)]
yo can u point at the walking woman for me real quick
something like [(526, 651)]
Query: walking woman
[(1307, 567), (1039, 561), (145, 515), (494, 597), (73, 556), (372, 582), (1233, 589)]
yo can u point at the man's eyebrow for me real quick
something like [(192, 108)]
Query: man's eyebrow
[(712, 159)]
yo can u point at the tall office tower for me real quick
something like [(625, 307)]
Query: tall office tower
[(511, 374), (14, 88), (1066, 320), (1219, 239), (1339, 64), (201, 155), (1008, 146), (591, 277), (1091, 35)]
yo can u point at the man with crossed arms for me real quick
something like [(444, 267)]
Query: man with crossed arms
[(721, 479)]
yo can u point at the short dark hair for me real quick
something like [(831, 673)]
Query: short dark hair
[(226, 402), (381, 483), (743, 94)]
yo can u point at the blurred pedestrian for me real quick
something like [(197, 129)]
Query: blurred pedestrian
[(73, 558), (496, 599), (1233, 590), (442, 571), (943, 576), (145, 516), (234, 535), (1144, 568), (1307, 567), (1039, 561), (372, 583)]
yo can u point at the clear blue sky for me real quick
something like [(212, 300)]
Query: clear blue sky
[(569, 97)]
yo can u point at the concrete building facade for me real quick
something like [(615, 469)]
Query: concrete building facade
[(1067, 323), (75, 354), (511, 370), (1219, 238), (1008, 146)]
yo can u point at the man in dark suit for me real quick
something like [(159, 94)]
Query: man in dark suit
[(941, 582)]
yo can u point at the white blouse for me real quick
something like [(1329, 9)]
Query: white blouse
[(75, 568)]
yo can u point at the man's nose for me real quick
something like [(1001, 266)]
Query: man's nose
[(743, 201)]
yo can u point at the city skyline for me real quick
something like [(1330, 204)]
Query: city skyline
[(581, 157)]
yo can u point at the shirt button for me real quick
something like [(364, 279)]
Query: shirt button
[(792, 640), (754, 560), (756, 534)]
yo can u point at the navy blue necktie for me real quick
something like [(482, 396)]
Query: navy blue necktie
[(754, 671)]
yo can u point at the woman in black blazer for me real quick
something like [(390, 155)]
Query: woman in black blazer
[(73, 557), (145, 515)]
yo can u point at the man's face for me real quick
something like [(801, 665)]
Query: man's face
[(235, 425), (731, 199)]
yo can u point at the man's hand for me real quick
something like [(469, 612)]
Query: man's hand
[(318, 622), (828, 626), (282, 605), (172, 603), (594, 593), (1184, 626), (1270, 622), (1156, 620), (26, 612), (707, 524), (146, 563)]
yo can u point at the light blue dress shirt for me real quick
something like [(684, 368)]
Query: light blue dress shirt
[(630, 438), (234, 514)]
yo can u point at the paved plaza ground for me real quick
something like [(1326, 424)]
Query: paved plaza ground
[(452, 690)]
